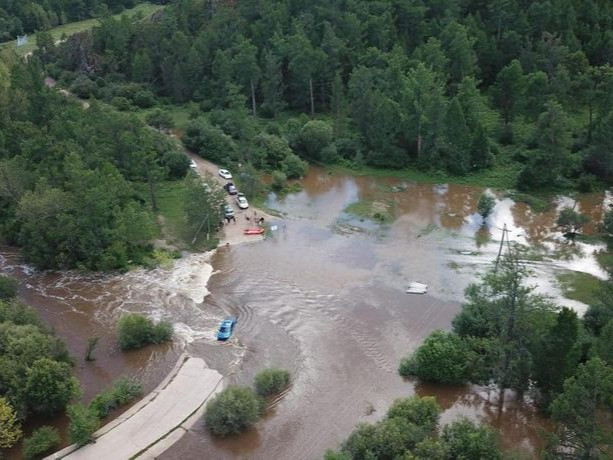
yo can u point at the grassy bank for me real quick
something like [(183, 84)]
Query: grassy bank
[(499, 177), (171, 198), (579, 286), (143, 9)]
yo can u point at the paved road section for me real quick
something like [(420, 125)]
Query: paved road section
[(159, 420)]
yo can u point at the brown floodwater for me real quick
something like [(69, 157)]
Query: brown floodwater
[(323, 297)]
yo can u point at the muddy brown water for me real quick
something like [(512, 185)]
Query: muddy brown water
[(323, 297)]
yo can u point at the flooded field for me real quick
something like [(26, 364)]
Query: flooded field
[(324, 297)]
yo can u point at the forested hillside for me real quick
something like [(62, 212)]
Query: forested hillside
[(452, 85), (76, 185), (27, 16)]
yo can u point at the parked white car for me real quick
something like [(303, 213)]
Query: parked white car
[(225, 174), (241, 201)]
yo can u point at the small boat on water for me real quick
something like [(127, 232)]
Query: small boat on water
[(254, 231)]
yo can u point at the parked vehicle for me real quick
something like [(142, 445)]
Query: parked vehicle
[(228, 211), (227, 185), (241, 201), (225, 174), (226, 329), (232, 190)]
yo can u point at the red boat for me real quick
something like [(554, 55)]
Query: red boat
[(254, 231)]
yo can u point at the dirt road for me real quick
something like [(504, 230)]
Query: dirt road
[(245, 218)]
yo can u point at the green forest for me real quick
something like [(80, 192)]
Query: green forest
[(455, 86), (27, 16), (76, 186)]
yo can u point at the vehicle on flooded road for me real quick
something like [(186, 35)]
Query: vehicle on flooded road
[(226, 329), (225, 174)]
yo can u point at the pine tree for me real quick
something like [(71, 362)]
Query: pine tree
[(457, 139), (272, 84), (481, 155)]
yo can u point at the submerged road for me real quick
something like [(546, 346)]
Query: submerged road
[(157, 421)]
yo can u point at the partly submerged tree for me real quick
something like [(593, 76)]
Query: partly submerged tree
[(570, 222), (486, 205)]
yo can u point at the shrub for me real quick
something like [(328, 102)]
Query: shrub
[(15, 312), (122, 392), (272, 381), (209, 141), (571, 222), (233, 411), (121, 103), (176, 163), (50, 386), (294, 167), (272, 150), (83, 424), (586, 183), (443, 357), (608, 222), (136, 331), (315, 136), (464, 439), (144, 99), (83, 87), (423, 412), (160, 120), (8, 288), (279, 181), (42, 441), (162, 332), (486, 205), (10, 432)]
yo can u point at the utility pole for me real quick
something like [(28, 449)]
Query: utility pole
[(504, 235)]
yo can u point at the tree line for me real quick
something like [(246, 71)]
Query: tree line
[(77, 187), (455, 85), (508, 336), (19, 17)]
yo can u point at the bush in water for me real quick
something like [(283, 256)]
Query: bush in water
[(122, 392), (83, 424), (136, 331), (42, 441), (233, 411), (272, 381), (486, 205), (443, 358)]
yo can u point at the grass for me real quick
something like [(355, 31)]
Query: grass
[(374, 210), (143, 9), (180, 113), (499, 177), (538, 203), (579, 286), (605, 259), (171, 197)]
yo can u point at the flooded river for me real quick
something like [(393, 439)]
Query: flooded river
[(323, 297)]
